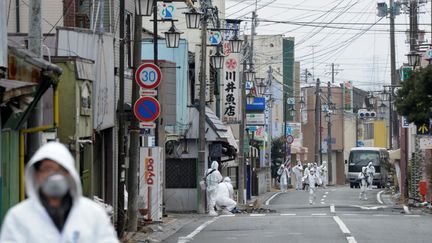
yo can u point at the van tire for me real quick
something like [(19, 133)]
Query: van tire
[(351, 185)]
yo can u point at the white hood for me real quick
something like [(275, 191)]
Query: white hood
[(215, 165), (59, 153)]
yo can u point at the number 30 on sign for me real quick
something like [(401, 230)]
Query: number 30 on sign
[(148, 76)]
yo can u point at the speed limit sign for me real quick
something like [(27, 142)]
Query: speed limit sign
[(148, 76), (289, 139)]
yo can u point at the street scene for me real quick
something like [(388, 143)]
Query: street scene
[(215, 121)]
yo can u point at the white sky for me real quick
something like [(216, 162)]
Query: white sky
[(345, 35)]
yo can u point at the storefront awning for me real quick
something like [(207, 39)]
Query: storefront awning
[(394, 155)]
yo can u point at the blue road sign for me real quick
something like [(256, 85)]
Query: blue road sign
[(147, 109)]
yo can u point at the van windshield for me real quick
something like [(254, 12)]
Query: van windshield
[(362, 158)]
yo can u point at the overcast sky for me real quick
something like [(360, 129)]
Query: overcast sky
[(345, 32)]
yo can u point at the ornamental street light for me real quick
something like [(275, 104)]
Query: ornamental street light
[(250, 75), (193, 19), (292, 111), (413, 59), (382, 108), (250, 98), (144, 7), (261, 86), (172, 37), (235, 44), (217, 60)]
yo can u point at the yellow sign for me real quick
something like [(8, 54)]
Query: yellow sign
[(423, 129)]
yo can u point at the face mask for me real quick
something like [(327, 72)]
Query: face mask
[(55, 186)]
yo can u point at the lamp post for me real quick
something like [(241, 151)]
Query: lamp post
[(193, 19), (217, 60), (172, 37), (413, 59), (235, 44)]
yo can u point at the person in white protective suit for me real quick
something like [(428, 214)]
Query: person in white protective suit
[(212, 177), (322, 172), (313, 179), (225, 196), (370, 170), (298, 169), (363, 177), (55, 210), (306, 172), (283, 173)]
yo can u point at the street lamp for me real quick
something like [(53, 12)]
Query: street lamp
[(302, 102), (261, 87), (144, 7), (193, 19), (292, 111), (413, 59), (235, 44), (371, 99), (382, 108), (328, 117), (172, 37), (250, 75), (217, 60), (250, 98)]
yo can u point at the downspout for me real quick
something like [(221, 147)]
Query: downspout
[(34, 130), (17, 15)]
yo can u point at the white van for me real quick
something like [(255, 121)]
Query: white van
[(360, 157)]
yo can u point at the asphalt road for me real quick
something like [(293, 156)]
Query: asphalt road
[(337, 216)]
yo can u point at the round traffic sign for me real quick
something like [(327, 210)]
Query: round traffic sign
[(148, 76), (147, 109), (289, 139)]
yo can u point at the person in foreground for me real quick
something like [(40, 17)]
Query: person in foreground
[(55, 210)]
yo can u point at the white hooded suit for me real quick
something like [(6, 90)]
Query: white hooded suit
[(213, 177), (225, 195), (29, 221)]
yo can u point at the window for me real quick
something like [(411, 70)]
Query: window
[(181, 173), (369, 131)]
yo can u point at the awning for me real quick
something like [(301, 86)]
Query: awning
[(216, 131), (13, 88), (394, 155)]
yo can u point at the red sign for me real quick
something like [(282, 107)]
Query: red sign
[(148, 76), (289, 139)]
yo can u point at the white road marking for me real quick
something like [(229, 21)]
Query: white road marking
[(322, 202), (324, 196), (380, 215), (319, 214), (332, 209), (326, 192), (406, 209), (229, 215), (257, 215), (344, 230), (190, 236), (350, 214), (271, 198), (369, 208), (379, 197), (414, 216), (342, 226), (322, 199), (351, 239), (288, 214)]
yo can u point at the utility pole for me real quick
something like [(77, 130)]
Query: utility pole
[(317, 121), (134, 136), (392, 69), (35, 46), (121, 137), (202, 105), (329, 122), (242, 152)]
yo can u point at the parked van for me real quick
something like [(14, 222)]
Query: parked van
[(360, 157)]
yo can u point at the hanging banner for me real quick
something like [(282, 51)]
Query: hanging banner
[(231, 89), (348, 96)]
